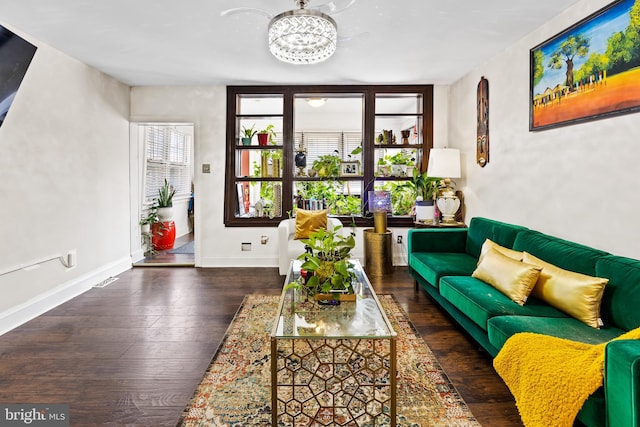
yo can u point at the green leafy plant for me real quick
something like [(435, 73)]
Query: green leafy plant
[(328, 261), (402, 196), (425, 186), (270, 130), (249, 132), (402, 157), (151, 217), (327, 165), (165, 195)]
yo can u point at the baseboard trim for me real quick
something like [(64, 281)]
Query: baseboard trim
[(16, 316)]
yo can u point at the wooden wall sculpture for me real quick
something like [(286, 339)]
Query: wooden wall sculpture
[(482, 142)]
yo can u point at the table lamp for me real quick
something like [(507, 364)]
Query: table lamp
[(380, 205), (445, 163)]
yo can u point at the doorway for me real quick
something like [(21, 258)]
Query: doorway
[(162, 152)]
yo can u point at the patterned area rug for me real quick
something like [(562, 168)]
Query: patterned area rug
[(235, 390)]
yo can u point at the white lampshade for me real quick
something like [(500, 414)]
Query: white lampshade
[(444, 163)]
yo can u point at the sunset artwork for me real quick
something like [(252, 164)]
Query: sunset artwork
[(591, 70)]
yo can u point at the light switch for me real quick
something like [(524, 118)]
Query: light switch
[(206, 168)]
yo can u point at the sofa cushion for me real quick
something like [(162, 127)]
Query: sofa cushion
[(562, 253), (500, 328), (576, 294), (513, 278), (621, 298), (434, 265), (490, 244), (481, 229), (480, 301)]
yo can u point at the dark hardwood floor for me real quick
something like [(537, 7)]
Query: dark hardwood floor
[(132, 353)]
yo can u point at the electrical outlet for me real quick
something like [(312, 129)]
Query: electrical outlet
[(399, 240)]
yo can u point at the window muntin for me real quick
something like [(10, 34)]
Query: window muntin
[(379, 108)]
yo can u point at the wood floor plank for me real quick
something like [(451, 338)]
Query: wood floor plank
[(133, 352)]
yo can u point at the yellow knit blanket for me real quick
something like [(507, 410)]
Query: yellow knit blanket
[(550, 377)]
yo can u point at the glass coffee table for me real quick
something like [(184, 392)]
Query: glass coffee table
[(333, 364)]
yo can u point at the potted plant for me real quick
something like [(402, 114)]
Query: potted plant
[(165, 201), (400, 161), (328, 275), (164, 230), (247, 134), (327, 165), (426, 190), (267, 135), (150, 218), (384, 169)]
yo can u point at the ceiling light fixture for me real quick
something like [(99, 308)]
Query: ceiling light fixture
[(316, 102), (302, 36)]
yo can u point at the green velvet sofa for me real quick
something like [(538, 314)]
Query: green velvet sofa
[(442, 260)]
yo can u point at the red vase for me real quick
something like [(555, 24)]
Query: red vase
[(163, 235), (263, 138)]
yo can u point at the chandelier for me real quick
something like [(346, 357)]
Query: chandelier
[(302, 36)]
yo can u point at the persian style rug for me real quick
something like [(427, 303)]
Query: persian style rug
[(236, 389)]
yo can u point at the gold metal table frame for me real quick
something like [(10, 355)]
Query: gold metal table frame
[(333, 365)]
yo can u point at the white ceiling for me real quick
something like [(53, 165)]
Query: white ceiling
[(187, 42)]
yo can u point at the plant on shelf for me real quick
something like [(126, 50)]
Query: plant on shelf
[(347, 205), (247, 134), (328, 165), (267, 135), (402, 196), (326, 264), (400, 161), (384, 169)]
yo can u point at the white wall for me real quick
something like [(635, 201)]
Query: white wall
[(205, 107), (577, 182), (64, 184)]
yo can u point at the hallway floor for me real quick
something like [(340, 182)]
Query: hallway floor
[(167, 259)]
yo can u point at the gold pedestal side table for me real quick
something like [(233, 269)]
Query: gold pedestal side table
[(378, 252)]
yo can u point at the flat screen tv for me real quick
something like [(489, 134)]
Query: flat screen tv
[(15, 56)]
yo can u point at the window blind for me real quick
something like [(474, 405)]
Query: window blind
[(322, 143), (168, 156)]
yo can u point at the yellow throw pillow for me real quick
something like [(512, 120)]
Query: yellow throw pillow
[(309, 221), (576, 294), (489, 244), (513, 278)]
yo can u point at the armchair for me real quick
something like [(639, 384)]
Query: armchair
[(288, 247)]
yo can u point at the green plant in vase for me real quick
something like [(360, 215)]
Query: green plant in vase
[(328, 165), (384, 169), (425, 187), (327, 264), (400, 161), (247, 134), (426, 190), (267, 135)]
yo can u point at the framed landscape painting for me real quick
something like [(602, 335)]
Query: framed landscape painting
[(589, 71)]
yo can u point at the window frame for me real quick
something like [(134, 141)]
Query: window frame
[(287, 179)]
